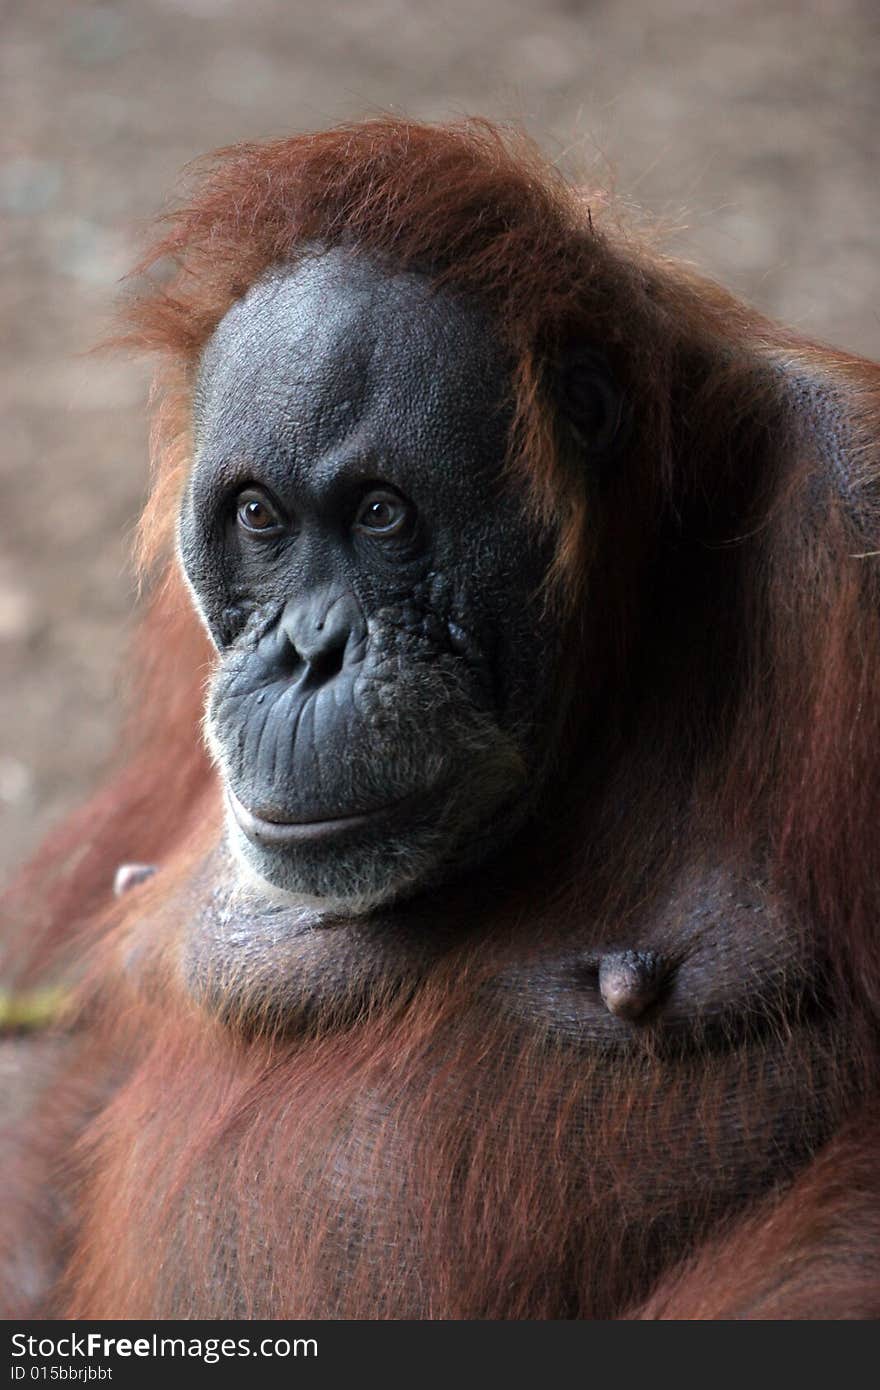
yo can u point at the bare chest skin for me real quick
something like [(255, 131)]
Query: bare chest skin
[(715, 954), (395, 1084)]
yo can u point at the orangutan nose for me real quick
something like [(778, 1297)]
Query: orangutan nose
[(327, 632)]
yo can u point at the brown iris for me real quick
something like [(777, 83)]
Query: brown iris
[(382, 514), (256, 513)]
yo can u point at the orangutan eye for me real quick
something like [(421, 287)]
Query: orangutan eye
[(383, 514), (255, 513)]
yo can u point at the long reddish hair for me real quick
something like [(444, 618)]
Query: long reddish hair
[(735, 634), (483, 211)]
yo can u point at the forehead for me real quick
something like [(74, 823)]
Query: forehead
[(339, 351)]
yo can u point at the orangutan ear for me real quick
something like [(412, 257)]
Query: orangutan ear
[(591, 402)]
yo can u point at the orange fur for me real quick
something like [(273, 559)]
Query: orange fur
[(433, 1159)]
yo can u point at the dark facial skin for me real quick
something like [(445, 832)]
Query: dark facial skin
[(383, 706), (385, 711)]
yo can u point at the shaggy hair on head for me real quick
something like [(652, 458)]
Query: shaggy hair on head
[(719, 590)]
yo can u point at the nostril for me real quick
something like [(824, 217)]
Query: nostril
[(325, 664), (325, 633)]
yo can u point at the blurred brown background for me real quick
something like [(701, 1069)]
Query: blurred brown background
[(751, 127)]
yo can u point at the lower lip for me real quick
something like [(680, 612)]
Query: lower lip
[(268, 832)]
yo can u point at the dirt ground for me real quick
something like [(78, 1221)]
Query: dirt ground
[(751, 128)]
